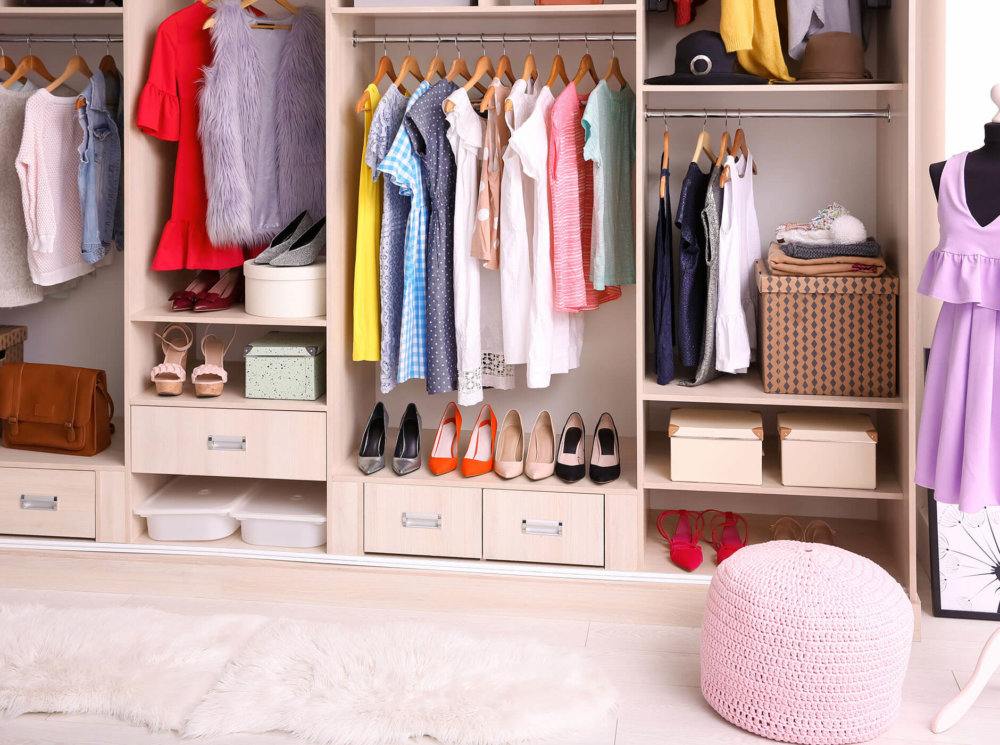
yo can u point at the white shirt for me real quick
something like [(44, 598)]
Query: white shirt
[(739, 248), (465, 135), (515, 231), (549, 345)]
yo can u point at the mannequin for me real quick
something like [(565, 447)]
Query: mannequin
[(982, 172)]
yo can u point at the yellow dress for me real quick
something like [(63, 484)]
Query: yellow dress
[(367, 314), (750, 28)]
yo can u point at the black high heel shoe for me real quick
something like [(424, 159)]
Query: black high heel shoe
[(571, 464), (406, 458), (371, 454), (605, 457)]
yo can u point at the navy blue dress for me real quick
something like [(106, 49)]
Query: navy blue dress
[(663, 291), (692, 284)]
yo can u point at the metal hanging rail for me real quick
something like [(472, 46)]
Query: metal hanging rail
[(61, 38), (492, 38), (737, 113)]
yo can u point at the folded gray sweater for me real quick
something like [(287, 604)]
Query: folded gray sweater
[(869, 249)]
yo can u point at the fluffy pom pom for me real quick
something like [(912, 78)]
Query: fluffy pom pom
[(848, 229)]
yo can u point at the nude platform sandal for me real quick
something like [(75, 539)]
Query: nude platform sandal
[(211, 377), (168, 377)]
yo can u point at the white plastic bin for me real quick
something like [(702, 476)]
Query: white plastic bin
[(194, 508), (290, 514)]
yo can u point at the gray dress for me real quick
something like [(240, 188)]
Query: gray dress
[(711, 218), (426, 124), (386, 121)]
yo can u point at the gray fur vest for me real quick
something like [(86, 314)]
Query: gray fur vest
[(232, 117)]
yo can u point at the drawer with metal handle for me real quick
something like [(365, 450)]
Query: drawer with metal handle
[(543, 527), (44, 502), (423, 520), (229, 442)]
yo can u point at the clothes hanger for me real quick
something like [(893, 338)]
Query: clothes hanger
[(558, 68), (459, 67), (614, 67), (530, 69), (410, 66), (384, 69), (503, 66), (724, 145), (739, 146), (665, 161), (484, 66), (286, 4), (108, 68), (76, 64), (436, 64), (31, 63), (586, 66), (704, 144), (6, 62)]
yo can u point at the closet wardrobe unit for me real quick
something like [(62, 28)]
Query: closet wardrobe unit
[(607, 564)]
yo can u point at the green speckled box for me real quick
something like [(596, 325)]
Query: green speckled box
[(286, 365)]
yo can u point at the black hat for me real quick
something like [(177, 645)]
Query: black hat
[(702, 59)]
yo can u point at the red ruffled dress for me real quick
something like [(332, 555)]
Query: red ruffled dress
[(168, 110)]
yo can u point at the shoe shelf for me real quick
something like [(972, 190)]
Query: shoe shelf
[(748, 390), (606, 10), (112, 459), (627, 483), (777, 90), (863, 537), (232, 397), (235, 315), (656, 475), (55, 13)]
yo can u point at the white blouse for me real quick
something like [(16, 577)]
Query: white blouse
[(739, 248)]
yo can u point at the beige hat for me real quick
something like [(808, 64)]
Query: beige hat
[(833, 57)]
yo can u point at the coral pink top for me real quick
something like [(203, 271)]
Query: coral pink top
[(571, 195), (168, 109), (965, 266)]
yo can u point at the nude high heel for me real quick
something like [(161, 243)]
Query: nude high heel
[(210, 378), (168, 377), (571, 465), (540, 460), (509, 458)]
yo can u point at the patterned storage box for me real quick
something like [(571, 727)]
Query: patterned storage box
[(828, 336), (286, 365), (12, 340)]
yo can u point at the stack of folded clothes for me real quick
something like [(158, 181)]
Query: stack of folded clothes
[(833, 244)]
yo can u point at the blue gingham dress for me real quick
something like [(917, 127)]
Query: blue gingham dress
[(401, 165)]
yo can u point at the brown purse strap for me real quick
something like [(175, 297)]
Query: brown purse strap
[(102, 389)]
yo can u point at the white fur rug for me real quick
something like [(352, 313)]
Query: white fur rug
[(217, 675)]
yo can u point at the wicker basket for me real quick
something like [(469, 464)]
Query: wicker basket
[(12, 340)]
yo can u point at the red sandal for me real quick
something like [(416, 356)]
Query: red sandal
[(684, 549), (726, 538)]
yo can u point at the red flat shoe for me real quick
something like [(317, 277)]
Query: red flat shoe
[(223, 294), (684, 549), (726, 533), (186, 298)]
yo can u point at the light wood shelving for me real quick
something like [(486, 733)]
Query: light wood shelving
[(236, 316), (112, 459), (777, 90), (56, 13)]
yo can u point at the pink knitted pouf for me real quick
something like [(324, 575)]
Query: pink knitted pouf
[(805, 643)]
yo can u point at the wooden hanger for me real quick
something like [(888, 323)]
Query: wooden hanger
[(436, 64), (614, 67), (723, 149), (483, 67), (460, 68), (76, 64), (739, 146), (31, 63), (665, 161), (530, 70), (384, 69), (586, 66), (286, 4), (503, 68), (410, 66), (558, 67), (6, 63), (703, 146)]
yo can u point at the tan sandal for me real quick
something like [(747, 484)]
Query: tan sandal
[(819, 531), (211, 377), (169, 375), (787, 529)]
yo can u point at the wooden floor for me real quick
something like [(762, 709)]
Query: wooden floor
[(655, 668)]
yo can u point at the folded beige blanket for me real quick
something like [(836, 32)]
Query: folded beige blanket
[(782, 264)]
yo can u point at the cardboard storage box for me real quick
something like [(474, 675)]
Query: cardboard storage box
[(716, 446), (12, 340), (286, 365), (827, 449), (828, 336)]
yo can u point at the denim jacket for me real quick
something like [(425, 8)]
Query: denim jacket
[(100, 172)]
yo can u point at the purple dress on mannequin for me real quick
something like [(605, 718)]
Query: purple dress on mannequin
[(958, 451)]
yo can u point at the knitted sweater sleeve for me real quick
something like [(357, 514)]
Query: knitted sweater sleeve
[(736, 24), (28, 173)]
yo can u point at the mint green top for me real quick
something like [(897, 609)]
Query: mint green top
[(609, 131)]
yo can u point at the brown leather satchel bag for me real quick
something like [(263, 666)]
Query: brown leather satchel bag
[(55, 409)]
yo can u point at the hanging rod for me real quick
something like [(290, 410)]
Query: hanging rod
[(492, 38), (736, 113), (60, 38)]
